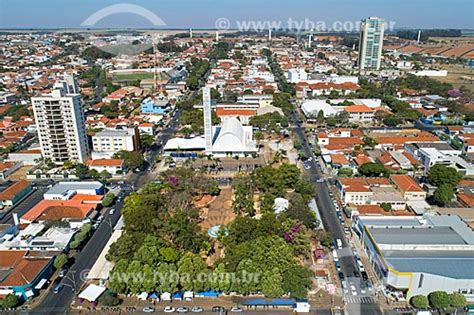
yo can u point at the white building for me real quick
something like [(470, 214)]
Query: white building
[(419, 255), (66, 190), (370, 43), (60, 121), (110, 141), (296, 75)]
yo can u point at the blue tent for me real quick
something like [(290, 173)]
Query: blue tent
[(153, 295), (209, 293), (178, 296)]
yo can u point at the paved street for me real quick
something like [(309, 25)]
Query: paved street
[(331, 224), (59, 303)]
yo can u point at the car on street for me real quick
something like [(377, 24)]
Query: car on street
[(307, 166), (353, 290), (58, 288), (342, 221), (235, 309), (182, 309), (62, 273), (364, 275), (338, 266), (356, 273), (339, 243), (197, 309), (334, 255), (218, 309), (169, 309), (341, 276), (111, 211), (148, 309)]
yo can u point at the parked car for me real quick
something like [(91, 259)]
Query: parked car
[(347, 230), (112, 211), (62, 273), (338, 266), (148, 309), (182, 309), (339, 243), (235, 309), (341, 276), (197, 309), (218, 309), (58, 288), (169, 309)]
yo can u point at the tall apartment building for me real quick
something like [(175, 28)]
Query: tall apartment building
[(60, 121), (370, 43), (109, 141)]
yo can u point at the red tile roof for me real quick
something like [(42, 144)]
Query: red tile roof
[(406, 183), (10, 192)]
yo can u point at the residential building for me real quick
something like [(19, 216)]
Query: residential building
[(110, 141), (22, 270), (155, 106), (60, 121), (360, 113), (370, 43), (113, 166)]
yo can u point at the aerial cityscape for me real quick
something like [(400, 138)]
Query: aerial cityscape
[(281, 159)]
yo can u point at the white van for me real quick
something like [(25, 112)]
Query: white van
[(361, 266), (334, 255)]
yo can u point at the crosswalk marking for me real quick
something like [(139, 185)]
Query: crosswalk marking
[(360, 300)]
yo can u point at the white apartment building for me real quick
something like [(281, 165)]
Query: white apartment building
[(370, 43), (60, 122), (110, 141), (296, 75)]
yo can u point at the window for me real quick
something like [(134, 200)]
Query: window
[(420, 283)]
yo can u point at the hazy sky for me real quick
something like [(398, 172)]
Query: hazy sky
[(204, 13)]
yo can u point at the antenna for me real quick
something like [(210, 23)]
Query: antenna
[(419, 36), (270, 34), (190, 33)]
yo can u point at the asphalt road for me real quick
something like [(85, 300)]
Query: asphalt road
[(362, 303), (59, 303)]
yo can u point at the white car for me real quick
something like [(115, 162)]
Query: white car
[(169, 309), (235, 309), (334, 255), (148, 309), (112, 211), (339, 243), (353, 290)]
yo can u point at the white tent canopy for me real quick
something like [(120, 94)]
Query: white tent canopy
[(92, 292), (188, 295), (166, 296)]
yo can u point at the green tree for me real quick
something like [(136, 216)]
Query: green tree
[(297, 281), (300, 211), (443, 194), (372, 169), (169, 254), (345, 172), (419, 301), (109, 298), (147, 141), (387, 207), (272, 283), (169, 280), (192, 267), (442, 174), (457, 300), (9, 301), (132, 159), (60, 261), (108, 199), (439, 299)]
